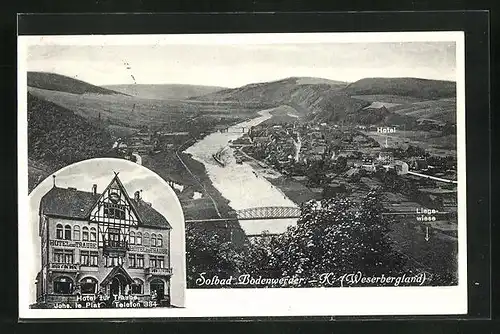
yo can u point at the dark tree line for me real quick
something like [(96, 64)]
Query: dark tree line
[(58, 135)]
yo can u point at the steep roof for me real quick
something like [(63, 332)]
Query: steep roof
[(150, 217), (77, 204), (68, 202)]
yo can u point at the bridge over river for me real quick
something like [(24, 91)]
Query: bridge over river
[(258, 204), (258, 213)]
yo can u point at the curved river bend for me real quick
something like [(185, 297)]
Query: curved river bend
[(240, 183)]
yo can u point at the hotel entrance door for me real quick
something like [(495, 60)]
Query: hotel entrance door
[(118, 286), (117, 283), (115, 287)]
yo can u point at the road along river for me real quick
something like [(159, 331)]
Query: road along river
[(241, 184)]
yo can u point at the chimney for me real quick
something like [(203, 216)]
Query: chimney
[(94, 189), (54, 180), (137, 195)]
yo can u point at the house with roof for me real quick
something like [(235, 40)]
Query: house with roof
[(102, 249), (386, 155), (419, 164)]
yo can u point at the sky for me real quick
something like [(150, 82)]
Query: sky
[(234, 65), (134, 177)]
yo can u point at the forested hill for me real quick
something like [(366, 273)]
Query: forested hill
[(408, 99), (53, 81), (58, 137), (294, 89)]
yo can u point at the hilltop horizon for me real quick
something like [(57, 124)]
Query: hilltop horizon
[(276, 80), (235, 65)]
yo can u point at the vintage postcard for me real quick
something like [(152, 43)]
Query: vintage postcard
[(241, 175)]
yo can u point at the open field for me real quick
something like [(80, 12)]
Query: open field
[(294, 190), (164, 91), (444, 110), (431, 142), (439, 252), (116, 109), (127, 111), (168, 166), (394, 99), (424, 89)]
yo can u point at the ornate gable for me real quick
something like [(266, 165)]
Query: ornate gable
[(115, 207)]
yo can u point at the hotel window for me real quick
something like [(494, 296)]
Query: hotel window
[(114, 211), (76, 233), (136, 261), (138, 240), (156, 261), (88, 285), (63, 256), (88, 258), (85, 233), (63, 285), (140, 261), (159, 241), (59, 231), (132, 238), (146, 239), (114, 237), (93, 234), (153, 240), (132, 263), (67, 232), (113, 260), (136, 288)]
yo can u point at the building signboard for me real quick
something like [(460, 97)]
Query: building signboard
[(73, 244), (144, 249)]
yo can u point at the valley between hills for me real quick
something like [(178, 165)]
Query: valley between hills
[(341, 151)]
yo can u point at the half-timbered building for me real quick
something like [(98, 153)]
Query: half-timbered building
[(102, 249)]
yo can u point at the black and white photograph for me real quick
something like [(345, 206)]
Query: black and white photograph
[(286, 167)]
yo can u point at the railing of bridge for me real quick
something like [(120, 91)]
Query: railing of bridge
[(269, 212), (257, 213)]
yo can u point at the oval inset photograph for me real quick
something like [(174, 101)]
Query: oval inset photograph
[(103, 233)]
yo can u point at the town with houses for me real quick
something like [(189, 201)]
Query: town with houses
[(322, 160), (329, 159)]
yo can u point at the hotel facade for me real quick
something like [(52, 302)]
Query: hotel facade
[(102, 250)]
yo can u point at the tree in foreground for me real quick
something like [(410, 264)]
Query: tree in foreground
[(335, 236), (209, 253)]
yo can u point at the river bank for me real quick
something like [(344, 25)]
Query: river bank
[(168, 166), (239, 183), (227, 188), (294, 190), (247, 185)]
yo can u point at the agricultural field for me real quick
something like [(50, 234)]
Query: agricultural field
[(129, 112), (433, 142)]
